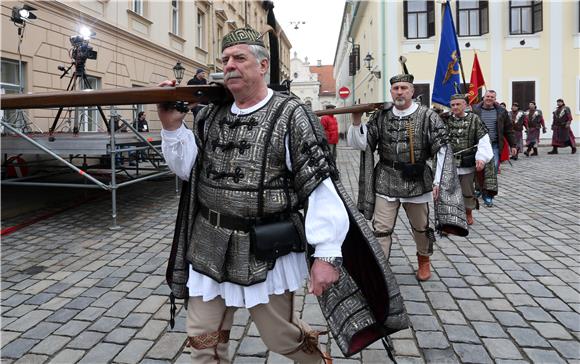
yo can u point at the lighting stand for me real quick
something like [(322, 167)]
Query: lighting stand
[(20, 120)]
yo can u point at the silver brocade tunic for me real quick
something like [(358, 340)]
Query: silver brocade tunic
[(465, 132), (389, 134), (243, 174)]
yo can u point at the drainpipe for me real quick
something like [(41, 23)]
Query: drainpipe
[(347, 39), (384, 50)]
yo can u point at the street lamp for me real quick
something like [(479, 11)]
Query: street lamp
[(297, 23), (178, 71), (368, 61), (369, 64)]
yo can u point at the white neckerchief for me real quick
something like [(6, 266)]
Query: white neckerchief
[(408, 111), (236, 110)]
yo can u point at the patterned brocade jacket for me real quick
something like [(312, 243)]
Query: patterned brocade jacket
[(241, 172), (464, 132), (391, 137)]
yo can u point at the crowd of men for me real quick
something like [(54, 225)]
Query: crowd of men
[(262, 206)]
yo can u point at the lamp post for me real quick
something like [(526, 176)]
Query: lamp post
[(369, 64), (178, 71), (368, 61)]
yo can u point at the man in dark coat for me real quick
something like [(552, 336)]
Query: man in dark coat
[(499, 127)]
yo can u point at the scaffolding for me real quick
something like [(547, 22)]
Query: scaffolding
[(95, 158)]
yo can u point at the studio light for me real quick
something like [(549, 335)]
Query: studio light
[(22, 14)]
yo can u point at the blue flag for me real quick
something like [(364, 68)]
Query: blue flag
[(448, 61)]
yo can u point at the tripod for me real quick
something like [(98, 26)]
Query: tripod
[(20, 120), (80, 77)]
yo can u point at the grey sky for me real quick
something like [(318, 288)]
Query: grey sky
[(318, 37)]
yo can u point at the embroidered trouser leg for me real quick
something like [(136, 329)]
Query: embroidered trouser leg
[(385, 217), (468, 189), (418, 215), (209, 324), (208, 329), (283, 332)]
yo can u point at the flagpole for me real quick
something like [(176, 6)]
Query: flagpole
[(465, 84)]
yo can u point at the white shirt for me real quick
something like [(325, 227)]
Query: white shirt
[(357, 138), (484, 153), (326, 226)]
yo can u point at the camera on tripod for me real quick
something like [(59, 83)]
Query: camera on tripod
[(81, 48)]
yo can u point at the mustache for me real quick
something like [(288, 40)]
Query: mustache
[(232, 74)]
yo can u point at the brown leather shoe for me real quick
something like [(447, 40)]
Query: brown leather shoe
[(469, 216), (424, 271), (327, 359)]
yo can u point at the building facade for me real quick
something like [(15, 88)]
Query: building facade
[(137, 43), (314, 85), (527, 50)]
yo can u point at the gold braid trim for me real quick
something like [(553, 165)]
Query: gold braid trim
[(210, 340), (309, 344)]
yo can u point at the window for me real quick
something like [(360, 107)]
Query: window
[(419, 19), (200, 41), (220, 35), (523, 92), (10, 82), (138, 6), (525, 17), (423, 90), (175, 17), (295, 74), (88, 118), (472, 18)]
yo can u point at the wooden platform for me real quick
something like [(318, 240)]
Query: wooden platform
[(65, 144)]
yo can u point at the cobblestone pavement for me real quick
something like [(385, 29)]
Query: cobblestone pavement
[(75, 291)]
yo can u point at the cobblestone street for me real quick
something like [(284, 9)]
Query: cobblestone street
[(75, 291)]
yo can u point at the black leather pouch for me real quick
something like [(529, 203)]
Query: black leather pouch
[(412, 171), (273, 240), (467, 160)]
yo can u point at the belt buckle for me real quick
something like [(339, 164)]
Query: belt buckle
[(214, 217)]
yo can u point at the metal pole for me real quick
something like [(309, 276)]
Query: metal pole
[(176, 184), (48, 151), (114, 226), (138, 135)]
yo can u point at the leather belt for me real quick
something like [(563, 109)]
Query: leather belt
[(226, 221), (396, 165), (237, 223)]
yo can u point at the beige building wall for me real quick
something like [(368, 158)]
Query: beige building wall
[(366, 32), (133, 49), (550, 58)]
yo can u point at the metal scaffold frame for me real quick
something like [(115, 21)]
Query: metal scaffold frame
[(110, 146)]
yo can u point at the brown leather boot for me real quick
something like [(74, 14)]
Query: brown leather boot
[(424, 271), (469, 216)]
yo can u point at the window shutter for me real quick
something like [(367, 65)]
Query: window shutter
[(523, 92), (356, 54), (457, 22), (405, 20), (483, 17), (431, 18), (537, 17), (351, 65)]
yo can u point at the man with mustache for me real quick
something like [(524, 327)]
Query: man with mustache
[(471, 148), (251, 164), (405, 137)]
